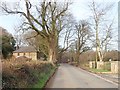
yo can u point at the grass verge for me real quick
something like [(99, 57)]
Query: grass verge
[(93, 70), (99, 70), (43, 79)]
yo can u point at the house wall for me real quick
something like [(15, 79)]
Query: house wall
[(27, 55), (21, 54), (15, 54), (32, 55)]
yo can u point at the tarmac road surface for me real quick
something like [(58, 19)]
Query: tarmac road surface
[(68, 76)]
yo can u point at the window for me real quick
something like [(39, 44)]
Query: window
[(18, 54), (24, 54)]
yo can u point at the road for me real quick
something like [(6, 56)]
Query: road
[(68, 76)]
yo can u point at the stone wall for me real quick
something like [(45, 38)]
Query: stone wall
[(100, 65), (92, 64), (114, 66), (104, 65)]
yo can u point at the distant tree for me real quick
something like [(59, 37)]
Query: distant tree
[(87, 56), (67, 35), (82, 36), (113, 55), (8, 44)]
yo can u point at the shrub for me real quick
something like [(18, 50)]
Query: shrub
[(23, 75)]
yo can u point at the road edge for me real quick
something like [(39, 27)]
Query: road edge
[(50, 77), (98, 76)]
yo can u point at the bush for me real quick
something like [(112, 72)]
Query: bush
[(23, 75)]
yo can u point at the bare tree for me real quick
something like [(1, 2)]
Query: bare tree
[(67, 35), (83, 34), (99, 11), (45, 19)]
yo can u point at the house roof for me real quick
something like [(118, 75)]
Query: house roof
[(25, 49)]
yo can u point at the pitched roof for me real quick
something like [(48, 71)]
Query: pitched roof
[(25, 49)]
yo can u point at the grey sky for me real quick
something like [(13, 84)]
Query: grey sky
[(79, 9)]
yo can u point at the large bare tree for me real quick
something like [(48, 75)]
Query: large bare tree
[(44, 18), (101, 26)]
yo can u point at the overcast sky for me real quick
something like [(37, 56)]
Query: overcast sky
[(79, 9)]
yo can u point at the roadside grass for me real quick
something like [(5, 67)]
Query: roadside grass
[(43, 77), (99, 70), (94, 70)]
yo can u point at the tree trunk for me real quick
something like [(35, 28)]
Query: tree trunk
[(77, 57), (52, 56), (52, 51), (60, 57), (99, 54)]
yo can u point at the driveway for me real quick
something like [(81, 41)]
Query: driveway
[(68, 76)]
